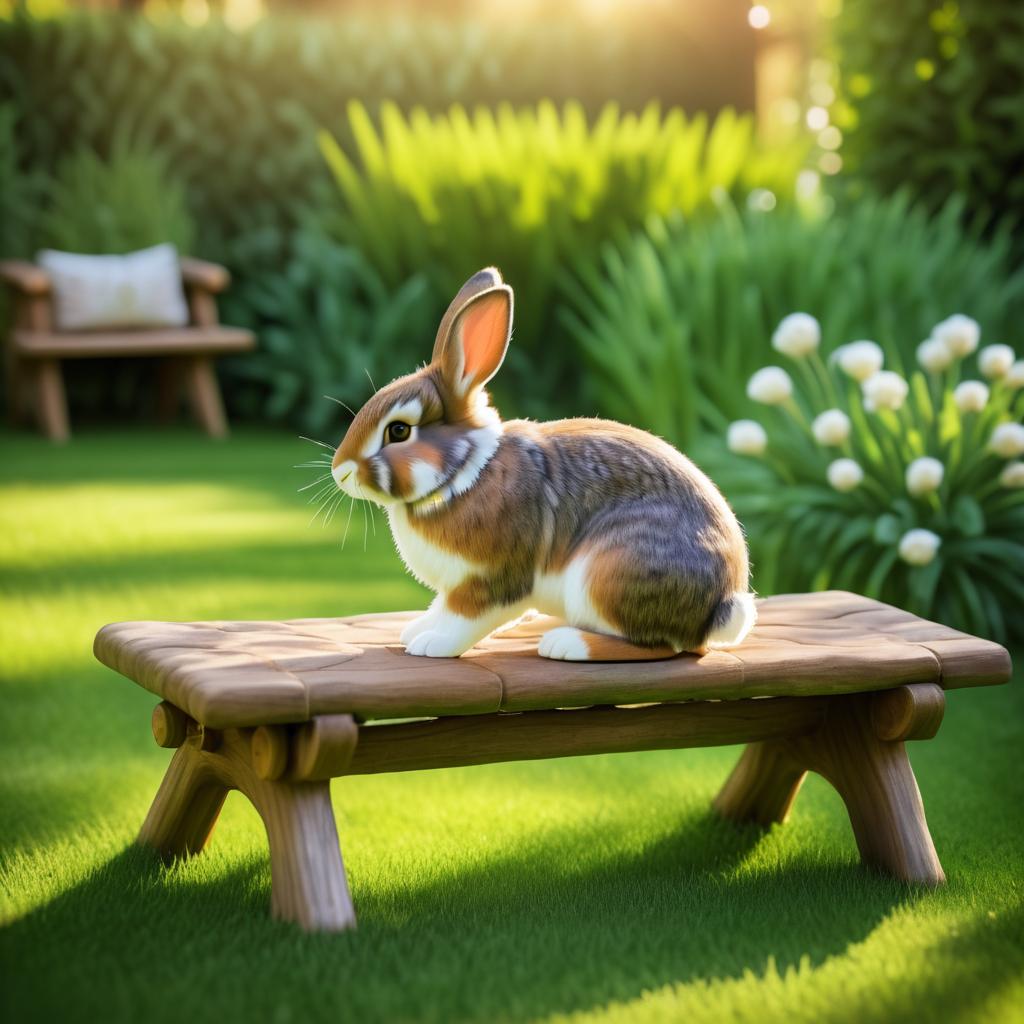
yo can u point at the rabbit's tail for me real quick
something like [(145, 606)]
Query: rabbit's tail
[(734, 618)]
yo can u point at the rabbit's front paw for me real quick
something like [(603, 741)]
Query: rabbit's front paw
[(432, 643), (415, 627)]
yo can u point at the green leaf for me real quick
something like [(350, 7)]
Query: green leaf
[(967, 515), (888, 529)]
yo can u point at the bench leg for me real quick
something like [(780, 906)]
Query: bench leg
[(204, 395), (51, 404), (168, 396), (186, 806), (872, 774), (308, 883)]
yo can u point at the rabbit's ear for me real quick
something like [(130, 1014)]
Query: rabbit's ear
[(481, 281), (474, 348)]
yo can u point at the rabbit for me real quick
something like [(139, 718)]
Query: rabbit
[(604, 526)]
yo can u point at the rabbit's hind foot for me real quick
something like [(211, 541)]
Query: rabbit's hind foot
[(567, 643)]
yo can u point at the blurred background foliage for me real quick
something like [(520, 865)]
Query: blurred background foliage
[(699, 301), (932, 95), (661, 183)]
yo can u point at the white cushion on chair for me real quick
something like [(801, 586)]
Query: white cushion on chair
[(140, 289)]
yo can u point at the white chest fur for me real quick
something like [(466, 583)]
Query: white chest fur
[(440, 570)]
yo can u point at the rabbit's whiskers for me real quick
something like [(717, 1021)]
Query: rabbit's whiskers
[(318, 480), (348, 523), (323, 444), (344, 405)]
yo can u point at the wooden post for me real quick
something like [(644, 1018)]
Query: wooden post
[(204, 395), (859, 750)]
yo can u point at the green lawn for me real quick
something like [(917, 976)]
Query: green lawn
[(596, 888)]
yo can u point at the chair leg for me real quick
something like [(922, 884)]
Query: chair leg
[(204, 395), (872, 775), (51, 404)]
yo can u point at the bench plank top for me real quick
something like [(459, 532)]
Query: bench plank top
[(260, 673)]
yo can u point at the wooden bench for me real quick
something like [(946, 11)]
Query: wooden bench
[(35, 349), (832, 683)]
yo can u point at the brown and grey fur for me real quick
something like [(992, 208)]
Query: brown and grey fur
[(665, 559)]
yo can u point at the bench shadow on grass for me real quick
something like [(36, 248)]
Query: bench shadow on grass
[(516, 937)]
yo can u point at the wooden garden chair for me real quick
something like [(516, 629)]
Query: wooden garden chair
[(832, 683), (35, 349)]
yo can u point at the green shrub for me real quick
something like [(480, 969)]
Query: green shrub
[(21, 190), (907, 489), (669, 319), (236, 111), (327, 326), (530, 191), (933, 98), (129, 201)]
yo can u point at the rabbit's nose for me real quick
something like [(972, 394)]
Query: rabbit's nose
[(342, 472)]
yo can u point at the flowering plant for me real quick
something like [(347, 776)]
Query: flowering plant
[(906, 486)]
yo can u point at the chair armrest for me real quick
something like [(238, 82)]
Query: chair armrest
[(210, 277), (26, 277)]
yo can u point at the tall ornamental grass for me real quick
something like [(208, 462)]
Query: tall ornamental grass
[(905, 486), (532, 190), (670, 318)]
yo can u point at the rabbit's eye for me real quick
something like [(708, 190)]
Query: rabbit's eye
[(397, 432)]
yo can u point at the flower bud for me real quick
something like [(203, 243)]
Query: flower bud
[(885, 390), (1012, 475), (995, 360), (970, 396), (831, 427), (798, 335), (770, 385), (1015, 375), (746, 437), (919, 547), (959, 333), (1007, 440), (860, 359), (924, 475), (933, 355), (844, 474)]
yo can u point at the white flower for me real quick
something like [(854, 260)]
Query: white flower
[(746, 437), (934, 355), (770, 385), (924, 475), (995, 360), (884, 390), (1007, 440), (832, 427), (960, 334), (970, 396), (844, 474), (860, 359), (1015, 375), (918, 547), (798, 335), (1012, 475)]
